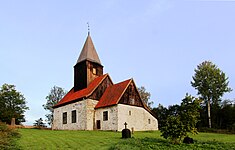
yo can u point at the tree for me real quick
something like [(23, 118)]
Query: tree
[(39, 123), (227, 115), (181, 120), (145, 96), (55, 95), (161, 113), (12, 104), (211, 84)]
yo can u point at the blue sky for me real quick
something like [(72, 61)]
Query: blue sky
[(159, 43)]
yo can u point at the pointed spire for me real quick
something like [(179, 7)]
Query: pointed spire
[(88, 51)]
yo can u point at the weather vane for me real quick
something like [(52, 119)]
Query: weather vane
[(88, 28)]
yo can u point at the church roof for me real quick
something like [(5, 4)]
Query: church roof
[(72, 96), (113, 94), (88, 52)]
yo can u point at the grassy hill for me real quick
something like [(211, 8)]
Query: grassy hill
[(96, 140)]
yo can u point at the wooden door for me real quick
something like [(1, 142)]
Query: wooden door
[(98, 124)]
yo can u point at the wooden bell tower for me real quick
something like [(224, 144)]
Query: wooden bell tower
[(88, 66)]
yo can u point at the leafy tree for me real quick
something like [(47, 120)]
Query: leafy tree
[(211, 83), (181, 120), (145, 96), (161, 113), (12, 104), (39, 123), (55, 95), (227, 115), (189, 113)]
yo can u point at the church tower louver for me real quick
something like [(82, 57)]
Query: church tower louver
[(88, 66)]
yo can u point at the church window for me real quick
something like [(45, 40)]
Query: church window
[(132, 100), (105, 115), (74, 116), (130, 113), (65, 118), (149, 121), (94, 70)]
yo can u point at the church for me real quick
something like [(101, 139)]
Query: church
[(96, 103)]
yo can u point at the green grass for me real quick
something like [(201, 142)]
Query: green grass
[(47, 139)]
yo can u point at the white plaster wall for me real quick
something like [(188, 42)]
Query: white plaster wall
[(112, 122), (139, 118), (85, 115)]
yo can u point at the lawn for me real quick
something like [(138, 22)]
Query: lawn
[(47, 139)]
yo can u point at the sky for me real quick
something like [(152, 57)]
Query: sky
[(158, 43)]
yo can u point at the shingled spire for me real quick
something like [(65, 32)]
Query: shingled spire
[(88, 66), (89, 52)]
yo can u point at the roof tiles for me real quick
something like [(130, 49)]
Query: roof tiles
[(113, 94), (73, 96)]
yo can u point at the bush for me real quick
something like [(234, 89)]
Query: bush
[(8, 136)]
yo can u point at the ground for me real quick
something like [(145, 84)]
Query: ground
[(47, 139)]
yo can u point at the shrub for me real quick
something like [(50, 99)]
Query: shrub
[(183, 120), (7, 137)]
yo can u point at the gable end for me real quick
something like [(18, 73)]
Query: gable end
[(131, 96), (99, 91)]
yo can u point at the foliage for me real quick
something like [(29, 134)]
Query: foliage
[(189, 113), (223, 116), (48, 139), (181, 119), (161, 113), (8, 137), (55, 95), (39, 123), (174, 129), (211, 84), (12, 104), (145, 96)]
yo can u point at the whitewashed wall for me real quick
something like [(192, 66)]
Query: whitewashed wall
[(112, 122), (138, 119), (85, 116)]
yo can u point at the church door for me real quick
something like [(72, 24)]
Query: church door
[(98, 124)]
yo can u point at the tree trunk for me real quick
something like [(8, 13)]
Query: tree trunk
[(209, 112)]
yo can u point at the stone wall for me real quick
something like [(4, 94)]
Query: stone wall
[(136, 117), (85, 116)]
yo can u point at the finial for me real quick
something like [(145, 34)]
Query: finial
[(88, 28)]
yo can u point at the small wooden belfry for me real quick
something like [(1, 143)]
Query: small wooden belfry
[(126, 133)]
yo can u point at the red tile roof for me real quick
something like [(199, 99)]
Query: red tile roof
[(113, 94), (72, 96)]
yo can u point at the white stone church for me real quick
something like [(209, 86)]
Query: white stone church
[(96, 103)]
